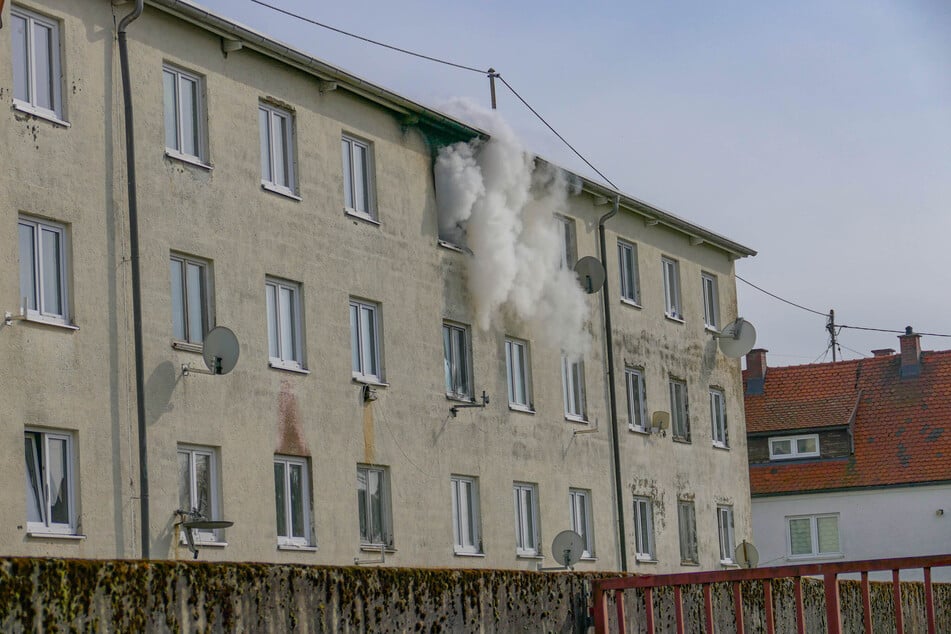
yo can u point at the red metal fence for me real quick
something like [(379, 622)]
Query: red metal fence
[(828, 572)]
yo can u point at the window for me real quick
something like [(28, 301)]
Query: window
[(198, 486), (284, 345), (526, 519), (718, 418), (357, 184), (725, 530), (37, 79), (580, 502), (630, 285), (813, 535), (277, 149), (789, 447), (365, 341), (711, 301), (636, 400), (292, 501), (569, 250), (572, 375), (49, 482), (43, 269), (672, 306), (455, 345), (465, 515), (687, 521), (184, 114), (516, 364), (373, 500), (191, 316), (643, 529), (679, 410)]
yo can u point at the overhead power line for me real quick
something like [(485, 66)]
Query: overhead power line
[(773, 295)]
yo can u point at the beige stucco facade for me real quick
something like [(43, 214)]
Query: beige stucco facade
[(80, 379)]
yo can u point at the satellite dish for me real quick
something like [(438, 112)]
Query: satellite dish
[(590, 274), (221, 350), (207, 524), (737, 338), (567, 547), (660, 420), (746, 555)]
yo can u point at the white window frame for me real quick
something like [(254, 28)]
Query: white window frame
[(718, 419), (794, 451), (350, 184), (457, 343), (725, 530), (40, 276), (293, 357), (579, 501), (628, 273), (673, 307), (636, 392), (289, 462), (362, 352), (569, 242), (181, 77), (518, 374), (365, 511), (572, 380), (679, 409), (687, 532), (815, 551), (269, 162), (214, 494), (40, 460), (644, 529), (527, 531), (204, 296), (466, 516), (711, 300), (55, 66)]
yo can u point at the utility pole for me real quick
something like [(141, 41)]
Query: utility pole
[(492, 75), (830, 326)]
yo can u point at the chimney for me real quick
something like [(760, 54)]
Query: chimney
[(883, 352), (910, 353), (756, 371)]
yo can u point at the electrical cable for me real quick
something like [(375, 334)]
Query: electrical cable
[(900, 332), (763, 290), (368, 40), (861, 354)]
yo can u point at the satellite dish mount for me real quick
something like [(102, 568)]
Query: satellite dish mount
[(194, 520), (737, 338)]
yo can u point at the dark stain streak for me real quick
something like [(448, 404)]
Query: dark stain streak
[(290, 433), (935, 434), (903, 456)]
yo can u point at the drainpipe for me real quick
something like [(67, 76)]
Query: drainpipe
[(612, 392), (136, 278)]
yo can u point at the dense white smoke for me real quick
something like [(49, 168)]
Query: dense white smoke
[(494, 199)]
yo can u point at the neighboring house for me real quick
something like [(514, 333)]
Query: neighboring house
[(851, 460), (295, 204)]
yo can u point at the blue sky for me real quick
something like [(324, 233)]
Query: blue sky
[(817, 132)]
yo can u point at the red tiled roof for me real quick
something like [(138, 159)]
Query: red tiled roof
[(902, 429)]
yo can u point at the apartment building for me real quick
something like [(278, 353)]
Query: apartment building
[(297, 206)]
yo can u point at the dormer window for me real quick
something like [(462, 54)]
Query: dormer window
[(791, 447)]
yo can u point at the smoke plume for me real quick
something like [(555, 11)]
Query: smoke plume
[(496, 200)]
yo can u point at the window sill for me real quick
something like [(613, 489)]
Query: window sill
[(280, 191), (187, 346), (65, 536), (521, 408), (823, 556), (711, 329), (729, 563), (356, 215), (375, 548), (46, 115), (288, 367), (298, 548), (201, 544), (571, 418), (460, 398), (589, 558), (692, 564), (639, 430), (721, 447), (187, 158), (645, 560), (675, 318), (631, 303), (458, 248), (682, 440), (367, 380), (534, 556), (47, 321), (458, 553)]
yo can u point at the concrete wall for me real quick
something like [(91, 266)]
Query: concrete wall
[(873, 524), (81, 381)]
